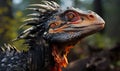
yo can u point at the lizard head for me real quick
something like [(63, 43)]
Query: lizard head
[(67, 27), (61, 29), (71, 25)]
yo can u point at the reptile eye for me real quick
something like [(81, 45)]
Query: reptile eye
[(69, 16), (72, 16)]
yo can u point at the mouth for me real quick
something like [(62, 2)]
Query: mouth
[(72, 33), (88, 28)]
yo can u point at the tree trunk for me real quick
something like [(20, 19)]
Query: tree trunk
[(98, 8), (6, 6), (5, 18)]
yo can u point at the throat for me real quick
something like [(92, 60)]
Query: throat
[(40, 55), (60, 55)]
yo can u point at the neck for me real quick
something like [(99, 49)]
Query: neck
[(40, 55), (60, 56), (47, 57)]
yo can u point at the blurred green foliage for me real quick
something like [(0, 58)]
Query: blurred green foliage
[(101, 41)]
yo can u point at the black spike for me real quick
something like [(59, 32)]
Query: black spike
[(37, 9), (29, 24), (34, 14)]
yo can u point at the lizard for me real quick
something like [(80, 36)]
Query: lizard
[(53, 33)]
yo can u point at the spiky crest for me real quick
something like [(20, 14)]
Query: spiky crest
[(38, 21)]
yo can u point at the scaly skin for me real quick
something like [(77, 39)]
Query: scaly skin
[(68, 28), (52, 34)]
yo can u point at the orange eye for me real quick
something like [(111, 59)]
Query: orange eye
[(72, 16), (69, 16)]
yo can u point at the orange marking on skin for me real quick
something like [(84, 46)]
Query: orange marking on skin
[(53, 24), (56, 68), (61, 61), (67, 49), (57, 30)]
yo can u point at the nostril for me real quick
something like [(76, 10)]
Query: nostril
[(90, 16)]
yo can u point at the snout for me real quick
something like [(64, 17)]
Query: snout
[(98, 20)]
